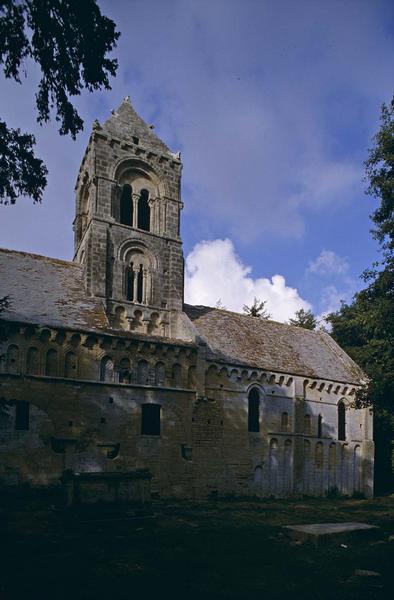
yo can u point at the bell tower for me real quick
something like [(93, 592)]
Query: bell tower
[(127, 223)]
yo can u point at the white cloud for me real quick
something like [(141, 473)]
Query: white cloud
[(328, 263), (214, 271)]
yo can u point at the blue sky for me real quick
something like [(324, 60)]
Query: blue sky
[(273, 106)]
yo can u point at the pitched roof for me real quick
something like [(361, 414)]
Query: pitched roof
[(125, 123), (243, 340), (50, 292), (47, 291)]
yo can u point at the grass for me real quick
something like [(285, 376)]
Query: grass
[(222, 549)]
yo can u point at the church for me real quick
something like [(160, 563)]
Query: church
[(108, 378)]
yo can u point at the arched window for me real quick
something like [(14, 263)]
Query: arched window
[(307, 425), (144, 211), (143, 372), (191, 377), (124, 371), (319, 455), (138, 277), (32, 361), (319, 426), (70, 365), (254, 410), (51, 363), (160, 374), (332, 456), (177, 375), (126, 205), (284, 424), (107, 369), (12, 361), (341, 421)]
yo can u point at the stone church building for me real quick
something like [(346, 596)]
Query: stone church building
[(106, 373)]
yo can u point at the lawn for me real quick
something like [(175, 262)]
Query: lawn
[(222, 549)]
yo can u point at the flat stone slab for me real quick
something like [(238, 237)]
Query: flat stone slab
[(332, 532)]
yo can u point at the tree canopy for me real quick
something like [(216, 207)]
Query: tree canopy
[(70, 41), (304, 318), (365, 327), (257, 309)]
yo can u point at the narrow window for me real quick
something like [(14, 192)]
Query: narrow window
[(70, 365), (285, 421), (254, 411), (143, 372), (107, 369), (150, 419), (341, 421), (307, 424), (32, 361), (332, 456), (140, 285), (177, 375), (160, 374), (22, 411), (51, 363), (124, 371), (191, 377), (12, 359), (319, 426), (126, 206), (319, 455), (144, 211), (130, 282)]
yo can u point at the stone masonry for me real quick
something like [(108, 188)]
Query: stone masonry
[(106, 370)]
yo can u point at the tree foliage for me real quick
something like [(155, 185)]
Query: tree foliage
[(304, 318), (257, 309), (380, 176), (70, 41), (365, 327)]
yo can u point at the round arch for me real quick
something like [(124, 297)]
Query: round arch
[(130, 247), (139, 174)]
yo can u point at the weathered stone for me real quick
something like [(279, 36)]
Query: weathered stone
[(318, 533), (242, 406)]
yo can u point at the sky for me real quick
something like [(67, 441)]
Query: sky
[(273, 106)]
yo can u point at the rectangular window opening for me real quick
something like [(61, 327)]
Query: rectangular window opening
[(150, 419), (22, 413)]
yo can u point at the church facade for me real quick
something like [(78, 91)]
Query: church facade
[(105, 369)]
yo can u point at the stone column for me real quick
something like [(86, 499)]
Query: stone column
[(152, 216), (157, 216), (145, 297), (164, 217), (135, 210), (135, 283)]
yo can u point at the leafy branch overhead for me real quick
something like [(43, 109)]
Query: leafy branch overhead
[(70, 40)]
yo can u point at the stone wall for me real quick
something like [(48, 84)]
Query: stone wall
[(203, 448)]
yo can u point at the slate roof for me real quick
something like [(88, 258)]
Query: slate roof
[(125, 123), (47, 291), (241, 340)]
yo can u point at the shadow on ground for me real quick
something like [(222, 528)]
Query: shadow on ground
[(223, 549)]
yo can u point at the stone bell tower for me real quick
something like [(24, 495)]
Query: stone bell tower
[(127, 223)]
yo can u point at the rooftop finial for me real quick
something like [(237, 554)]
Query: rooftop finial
[(126, 99)]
